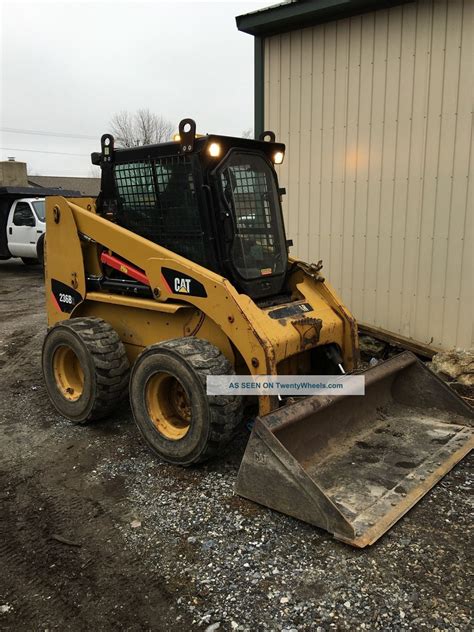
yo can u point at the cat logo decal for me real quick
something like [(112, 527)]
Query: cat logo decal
[(182, 285), (175, 282)]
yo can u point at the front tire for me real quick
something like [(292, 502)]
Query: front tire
[(85, 368), (177, 419)]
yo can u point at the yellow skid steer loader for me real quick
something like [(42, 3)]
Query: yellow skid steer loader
[(178, 271)]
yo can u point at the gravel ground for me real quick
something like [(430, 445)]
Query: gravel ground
[(97, 533)]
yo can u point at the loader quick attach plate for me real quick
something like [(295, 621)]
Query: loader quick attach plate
[(356, 465)]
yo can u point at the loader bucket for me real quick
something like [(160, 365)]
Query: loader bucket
[(355, 465)]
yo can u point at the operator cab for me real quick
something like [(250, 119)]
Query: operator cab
[(212, 199)]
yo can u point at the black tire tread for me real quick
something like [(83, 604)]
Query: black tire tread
[(111, 363), (225, 410)]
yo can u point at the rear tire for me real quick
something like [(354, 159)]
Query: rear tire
[(40, 249), (85, 368), (30, 261), (177, 419)]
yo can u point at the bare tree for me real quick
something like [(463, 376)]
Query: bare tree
[(123, 129), (247, 133), (140, 128)]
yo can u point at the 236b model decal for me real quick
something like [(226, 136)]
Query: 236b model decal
[(65, 298)]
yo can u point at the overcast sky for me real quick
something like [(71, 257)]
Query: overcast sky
[(67, 67)]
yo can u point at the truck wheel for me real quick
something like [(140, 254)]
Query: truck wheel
[(30, 261), (40, 249), (85, 368), (176, 417)]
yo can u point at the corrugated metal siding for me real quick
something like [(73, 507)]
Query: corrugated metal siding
[(376, 112)]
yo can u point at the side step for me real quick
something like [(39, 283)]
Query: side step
[(355, 465)]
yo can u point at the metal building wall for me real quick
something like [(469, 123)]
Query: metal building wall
[(376, 114)]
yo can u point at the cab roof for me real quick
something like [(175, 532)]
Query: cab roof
[(189, 143)]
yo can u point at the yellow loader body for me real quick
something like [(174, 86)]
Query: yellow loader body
[(179, 271)]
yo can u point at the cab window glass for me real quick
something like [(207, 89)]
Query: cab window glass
[(250, 193), (39, 209), (23, 215)]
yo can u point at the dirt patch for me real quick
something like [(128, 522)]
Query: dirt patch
[(44, 463)]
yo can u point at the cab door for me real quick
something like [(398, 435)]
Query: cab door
[(21, 231)]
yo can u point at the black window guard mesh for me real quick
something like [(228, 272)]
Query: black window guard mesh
[(157, 200)]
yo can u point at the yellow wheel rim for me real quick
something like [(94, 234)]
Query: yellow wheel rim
[(168, 406), (68, 373)]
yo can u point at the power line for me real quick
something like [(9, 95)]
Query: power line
[(41, 151), (36, 132)]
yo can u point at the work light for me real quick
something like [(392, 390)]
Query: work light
[(214, 150), (278, 157)]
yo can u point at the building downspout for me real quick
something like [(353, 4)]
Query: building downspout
[(259, 86)]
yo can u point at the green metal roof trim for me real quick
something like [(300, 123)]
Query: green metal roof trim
[(303, 13)]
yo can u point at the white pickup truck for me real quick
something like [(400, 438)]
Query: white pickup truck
[(25, 230), (22, 222)]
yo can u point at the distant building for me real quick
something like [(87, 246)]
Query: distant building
[(87, 186), (373, 101), (13, 173)]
